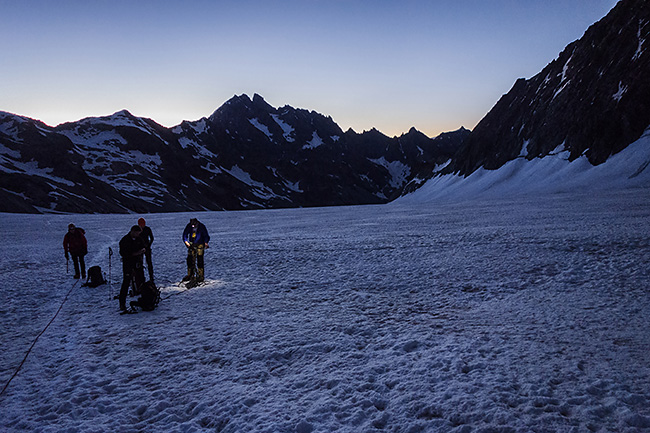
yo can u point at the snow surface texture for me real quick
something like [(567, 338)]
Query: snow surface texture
[(551, 174), (506, 316)]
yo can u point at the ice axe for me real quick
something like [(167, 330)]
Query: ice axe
[(110, 286)]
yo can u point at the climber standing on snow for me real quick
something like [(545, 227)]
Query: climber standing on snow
[(75, 245), (147, 237), (132, 248), (196, 240)]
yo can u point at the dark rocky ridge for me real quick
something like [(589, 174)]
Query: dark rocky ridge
[(594, 99)]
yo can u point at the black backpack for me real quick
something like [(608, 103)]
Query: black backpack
[(149, 297), (95, 277)]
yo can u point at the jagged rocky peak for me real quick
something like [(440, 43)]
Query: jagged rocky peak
[(241, 106), (374, 133), (414, 133), (259, 102), (245, 101)]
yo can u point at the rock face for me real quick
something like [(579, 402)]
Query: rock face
[(246, 155), (594, 99)]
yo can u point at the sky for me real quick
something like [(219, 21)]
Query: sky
[(434, 65)]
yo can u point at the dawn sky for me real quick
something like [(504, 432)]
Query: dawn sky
[(436, 65)]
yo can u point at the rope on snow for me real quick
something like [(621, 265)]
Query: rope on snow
[(37, 337)]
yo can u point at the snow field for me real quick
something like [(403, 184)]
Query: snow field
[(487, 316), (553, 174)]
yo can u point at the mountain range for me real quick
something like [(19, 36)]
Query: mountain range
[(246, 155), (591, 102)]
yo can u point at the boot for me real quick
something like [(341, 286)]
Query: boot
[(201, 275), (190, 274)]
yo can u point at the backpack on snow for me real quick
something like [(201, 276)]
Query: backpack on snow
[(95, 277), (149, 297)]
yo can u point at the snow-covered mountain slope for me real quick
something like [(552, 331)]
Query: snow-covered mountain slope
[(585, 107), (553, 174), (518, 315), (247, 154)]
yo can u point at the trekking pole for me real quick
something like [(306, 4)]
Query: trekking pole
[(67, 262), (110, 285), (147, 268)]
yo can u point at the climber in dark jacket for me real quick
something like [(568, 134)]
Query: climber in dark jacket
[(147, 237), (132, 248)]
